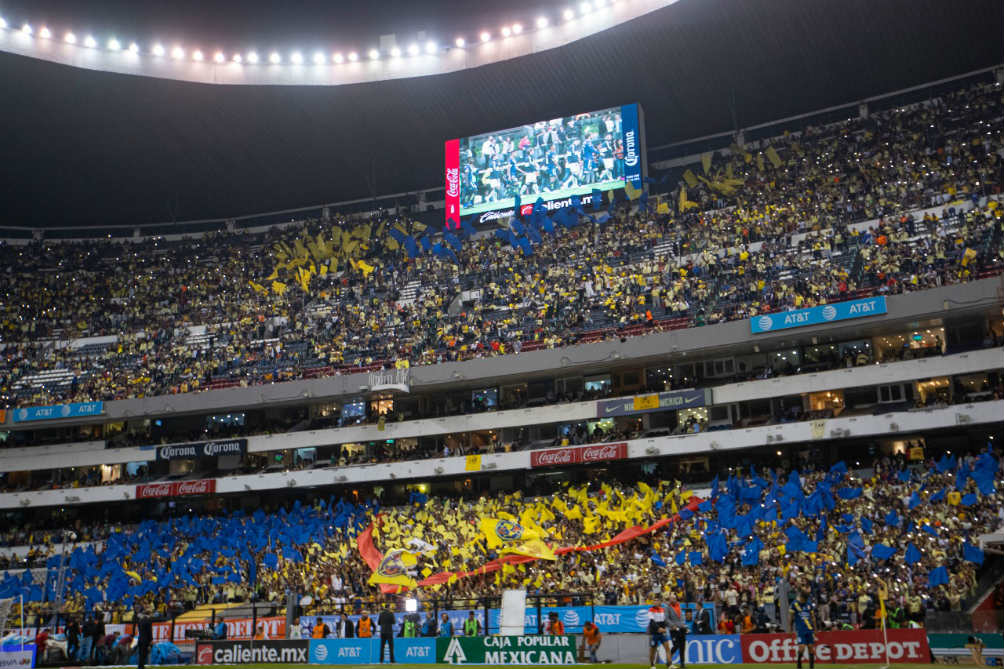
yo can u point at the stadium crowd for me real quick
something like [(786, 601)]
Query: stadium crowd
[(830, 532), (777, 230)]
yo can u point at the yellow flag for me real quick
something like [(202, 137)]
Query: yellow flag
[(663, 208), (706, 162), (279, 288), (690, 179), (393, 568), (773, 156), (632, 192), (365, 268)]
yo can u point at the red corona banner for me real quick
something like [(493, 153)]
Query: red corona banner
[(850, 647), (577, 455), (176, 489)]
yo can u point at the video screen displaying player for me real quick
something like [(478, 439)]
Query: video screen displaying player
[(546, 158)]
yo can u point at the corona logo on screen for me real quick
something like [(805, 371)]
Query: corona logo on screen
[(630, 149)]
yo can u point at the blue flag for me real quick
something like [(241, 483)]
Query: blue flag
[(971, 553), (849, 493), (696, 559), (937, 576), (657, 560), (968, 500), (892, 519), (882, 552), (912, 554), (751, 553)]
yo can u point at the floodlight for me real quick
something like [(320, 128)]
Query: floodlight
[(296, 58), (177, 53), (70, 38), (197, 55), (460, 42), (431, 47), (114, 45), (353, 56), (319, 58), (517, 28), (219, 57), (485, 36), (253, 57), (374, 54), (275, 58), (541, 21), (45, 33), (338, 58), (90, 42), (157, 50)]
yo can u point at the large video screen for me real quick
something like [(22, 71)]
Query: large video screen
[(552, 159)]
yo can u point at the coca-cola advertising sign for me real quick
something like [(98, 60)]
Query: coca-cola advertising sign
[(840, 648), (176, 489), (577, 455), (453, 184)]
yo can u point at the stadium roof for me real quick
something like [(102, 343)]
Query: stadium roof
[(94, 148)]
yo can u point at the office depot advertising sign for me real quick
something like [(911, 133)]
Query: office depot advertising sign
[(840, 648)]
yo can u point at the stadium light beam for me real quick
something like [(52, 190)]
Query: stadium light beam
[(320, 58), (70, 38), (26, 29), (296, 58), (541, 21), (197, 56), (431, 47), (253, 57), (460, 42), (353, 56), (45, 33), (338, 58), (219, 57), (413, 49), (374, 54), (237, 59), (133, 47), (275, 58), (517, 28), (506, 31), (485, 36), (114, 45), (177, 53), (90, 42), (157, 50)]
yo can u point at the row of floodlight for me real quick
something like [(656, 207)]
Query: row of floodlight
[(430, 48)]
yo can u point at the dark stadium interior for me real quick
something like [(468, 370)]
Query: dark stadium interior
[(729, 392), (698, 67)]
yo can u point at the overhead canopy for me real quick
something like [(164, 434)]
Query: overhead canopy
[(91, 148)]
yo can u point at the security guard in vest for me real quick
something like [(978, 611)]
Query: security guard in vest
[(471, 626)]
